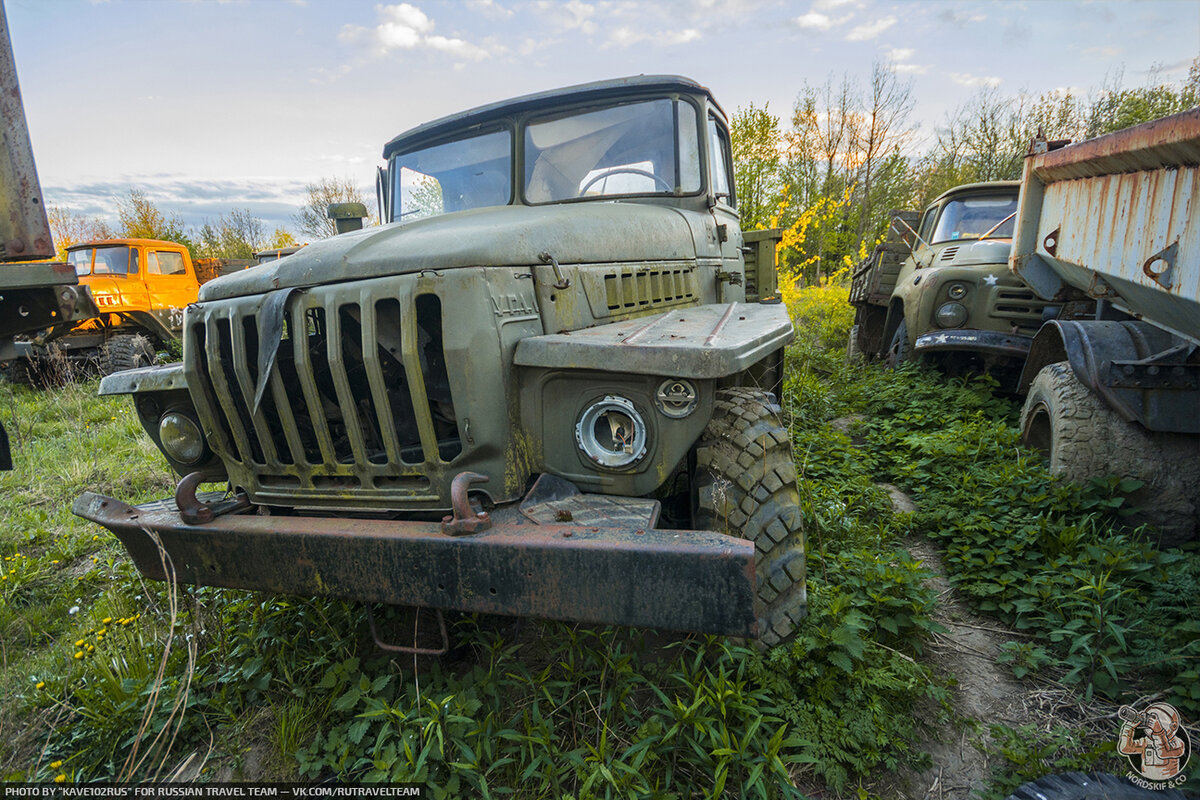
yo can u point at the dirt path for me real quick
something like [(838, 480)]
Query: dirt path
[(983, 693)]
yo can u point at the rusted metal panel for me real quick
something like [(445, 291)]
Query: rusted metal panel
[(1116, 218), (709, 341), (24, 229), (673, 579)]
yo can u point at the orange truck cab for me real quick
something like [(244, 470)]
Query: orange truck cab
[(140, 286)]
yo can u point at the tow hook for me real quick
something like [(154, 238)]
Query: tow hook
[(195, 512), (465, 520)]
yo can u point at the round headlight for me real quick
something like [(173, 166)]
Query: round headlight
[(951, 315), (612, 433), (957, 291), (181, 437)]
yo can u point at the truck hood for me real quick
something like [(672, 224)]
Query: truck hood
[(507, 236)]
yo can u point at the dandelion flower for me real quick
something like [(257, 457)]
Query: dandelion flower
[(78, 654), (3, 577), (79, 643), (55, 764), (55, 561), (60, 778), (106, 620), (96, 537), (40, 685)]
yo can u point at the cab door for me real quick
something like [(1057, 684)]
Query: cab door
[(726, 219), (171, 284)]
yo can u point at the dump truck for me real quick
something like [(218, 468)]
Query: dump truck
[(140, 288), (35, 292), (1110, 229), (545, 386), (939, 288)]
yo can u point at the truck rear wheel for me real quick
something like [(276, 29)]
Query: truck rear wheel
[(745, 485), (1082, 438), (125, 351)]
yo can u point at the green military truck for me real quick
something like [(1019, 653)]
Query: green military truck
[(939, 286), (545, 385)]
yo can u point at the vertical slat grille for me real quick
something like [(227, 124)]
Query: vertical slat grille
[(358, 396)]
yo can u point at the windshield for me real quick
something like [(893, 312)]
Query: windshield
[(971, 217), (642, 148), (109, 260), (468, 173)]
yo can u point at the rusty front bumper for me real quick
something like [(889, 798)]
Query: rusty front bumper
[(699, 581)]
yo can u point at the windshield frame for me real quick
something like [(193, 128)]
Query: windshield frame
[(996, 194), (395, 211), (516, 125)]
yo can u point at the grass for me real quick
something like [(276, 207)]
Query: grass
[(104, 676)]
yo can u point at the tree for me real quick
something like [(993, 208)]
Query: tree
[(756, 161), (313, 220), (141, 219), (281, 238), (69, 228), (881, 133), (238, 235)]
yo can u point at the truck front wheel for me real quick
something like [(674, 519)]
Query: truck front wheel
[(1082, 438), (125, 351), (899, 351), (745, 485)]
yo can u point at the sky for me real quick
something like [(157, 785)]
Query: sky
[(210, 105)]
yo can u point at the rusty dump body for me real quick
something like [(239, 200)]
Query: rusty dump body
[(493, 401), (1110, 226), (33, 294)]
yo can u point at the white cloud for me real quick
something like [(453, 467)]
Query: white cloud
[(403, 26), (829, 5), (900, 54), (814, 20), (490, 8), (870, 30), (967, 79), (573, 15), (625, 36)]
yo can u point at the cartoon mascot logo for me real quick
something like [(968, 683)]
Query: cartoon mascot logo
[(1156, 743)]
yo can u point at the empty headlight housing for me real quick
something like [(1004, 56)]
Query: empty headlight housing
[(611, 433), (951, 315), (181, 438)]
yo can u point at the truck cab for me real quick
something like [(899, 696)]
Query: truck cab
[(943, 289), (140, 287), (558, 343)]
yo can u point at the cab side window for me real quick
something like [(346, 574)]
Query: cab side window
[(718, 155), (165, 263)]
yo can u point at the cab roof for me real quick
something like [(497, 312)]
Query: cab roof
[(127, 242), (977, 187), (597, 90)]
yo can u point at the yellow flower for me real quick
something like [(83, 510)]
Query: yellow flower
[(79, 654), (55, 764), (55, 561), (106, 620), (91, 648), (96, 538), (102, 631), (3, 577), (60, 778), (41, 685), (79, 643)]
